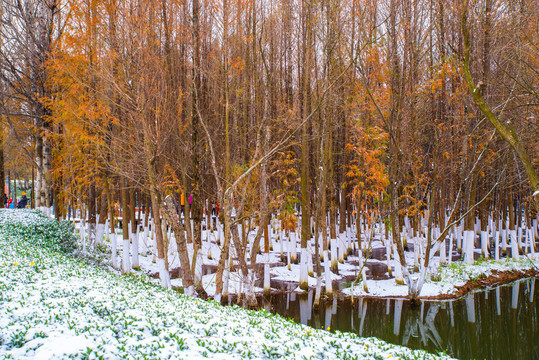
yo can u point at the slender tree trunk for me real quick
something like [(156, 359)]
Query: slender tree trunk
[(134, 233), (505, 130), (304, 175), (394, 180), (126, 263), (169, 211)]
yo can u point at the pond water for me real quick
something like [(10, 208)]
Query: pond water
[(496, 323)]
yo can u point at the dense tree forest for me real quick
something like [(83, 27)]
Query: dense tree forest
[(325, 115)]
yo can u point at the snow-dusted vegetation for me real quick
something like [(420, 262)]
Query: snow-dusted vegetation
[(451, 279), (54, 305)]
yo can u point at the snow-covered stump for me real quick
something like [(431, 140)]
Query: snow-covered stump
[(293, 247), (408, 227), (99, 233), (477, 226), (341, 247), (288, 258), (503, 232), (525, 243), (267, 288), (450, 252), (126, 266), (303, 272), (424, 224), (492, 230), (399, 280), (189, 290), (164, 275), (334, 255), (281, 245), (107, 230), (145, 233), (168, 233), (270, 240), (327, 275), (114, 248), (514, 244), (531, 241), (459, 237), (492, 233), (208, 226), (153, 240), (468, 248), (349, 246), (82, 233), (387, 243), (364, 277), (484, 244), (497, 245), (310, 264), (198, 267), (415, 282), (416, 241), (135, 250), (443, 249), (219, 233)]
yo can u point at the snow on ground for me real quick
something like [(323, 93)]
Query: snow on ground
[(54, 306), (455, 274), (211, 252), (451, 276)]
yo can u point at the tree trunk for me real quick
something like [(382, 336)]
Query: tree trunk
[(506, 131), (126, 263), (134, 233), (172, 217)]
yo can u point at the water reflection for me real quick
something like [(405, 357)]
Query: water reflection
[(502, 324)]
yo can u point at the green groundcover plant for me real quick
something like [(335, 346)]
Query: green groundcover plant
[(53, 305)]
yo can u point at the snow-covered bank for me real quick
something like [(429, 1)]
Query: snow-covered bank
[(447, 275), (54, 306), (456, 279)]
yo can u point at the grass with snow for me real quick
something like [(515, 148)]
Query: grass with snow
[(448, 277), (459, 273), (53, 306)]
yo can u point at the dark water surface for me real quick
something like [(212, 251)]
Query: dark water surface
[(497, 323)]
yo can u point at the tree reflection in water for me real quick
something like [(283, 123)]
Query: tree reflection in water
[(498, 323)]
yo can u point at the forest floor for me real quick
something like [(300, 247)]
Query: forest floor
[(55, 306), (456, 279), (450, 280)]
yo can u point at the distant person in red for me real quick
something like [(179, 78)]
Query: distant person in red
[(9, 202)]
